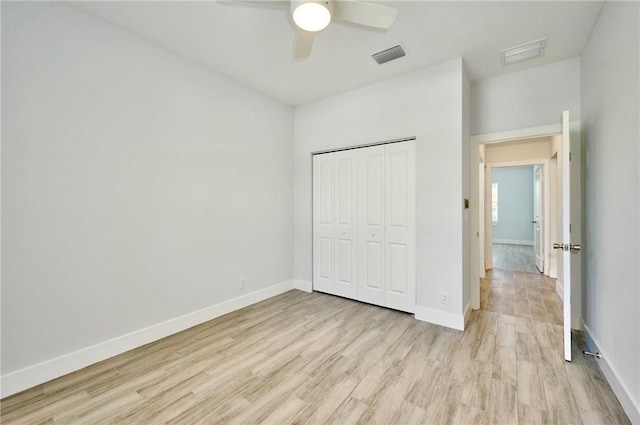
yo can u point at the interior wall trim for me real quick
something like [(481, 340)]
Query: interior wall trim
[(439, 317), (366, 145)]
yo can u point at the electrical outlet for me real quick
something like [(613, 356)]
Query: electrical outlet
[(444, 297), (243, 283)]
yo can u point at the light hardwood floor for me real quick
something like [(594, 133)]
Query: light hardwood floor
[(527, 295), (319, 359)]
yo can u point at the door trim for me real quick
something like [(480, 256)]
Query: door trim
[(365, 145)]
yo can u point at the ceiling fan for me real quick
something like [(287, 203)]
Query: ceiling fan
[(312, 16)]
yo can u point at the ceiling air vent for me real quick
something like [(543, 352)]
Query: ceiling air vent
[(523, 52), (389, 54)]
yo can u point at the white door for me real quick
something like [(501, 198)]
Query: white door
[(565, 245), (537, 217), (371, 224), (387, 225), (323, 223), (399, 224), (335, 227), (346, 224)]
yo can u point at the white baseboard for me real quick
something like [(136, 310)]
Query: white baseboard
[(31, 376), (629, 404), (303, 285), (553, 273), (439, 317), (560, 289), (467, 313), (513, 242)]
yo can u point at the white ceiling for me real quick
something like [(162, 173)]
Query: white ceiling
[(253, 43)]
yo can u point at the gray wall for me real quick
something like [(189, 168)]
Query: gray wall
[(515, 204), (136, 186), (610, 116), (529, 98)]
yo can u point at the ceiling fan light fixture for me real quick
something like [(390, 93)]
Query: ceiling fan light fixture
[(312, 16)]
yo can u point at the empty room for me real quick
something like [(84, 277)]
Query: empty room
[(289, 212)]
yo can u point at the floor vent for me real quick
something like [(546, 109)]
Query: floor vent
[(389, 54)]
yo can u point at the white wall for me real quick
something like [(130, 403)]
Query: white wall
[(610, 116), (136, 185), (529, 98), (426, 104)]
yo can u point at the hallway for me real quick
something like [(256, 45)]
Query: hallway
[(521, 294)]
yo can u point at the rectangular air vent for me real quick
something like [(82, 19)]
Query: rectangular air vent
[(522, 52), (389, 54)]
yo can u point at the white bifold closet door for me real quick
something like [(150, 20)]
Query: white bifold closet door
[(364, 224), (335, 229)]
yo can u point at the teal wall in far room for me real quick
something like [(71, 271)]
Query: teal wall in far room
[(515, 205)]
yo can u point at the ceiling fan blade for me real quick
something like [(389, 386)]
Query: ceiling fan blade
[(363, 13), (304, 42)]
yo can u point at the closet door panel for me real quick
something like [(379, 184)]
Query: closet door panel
[(398, 267), (323, 223), (399, 226), (325, 258), (371, 224), (346, 227), (373, 266)]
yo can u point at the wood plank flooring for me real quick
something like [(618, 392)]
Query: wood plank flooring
[(527, 295), (303, 358)]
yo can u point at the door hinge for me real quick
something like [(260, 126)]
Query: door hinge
[(569, 156), (569, 227)]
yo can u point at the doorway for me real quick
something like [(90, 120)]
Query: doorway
[(516, 224), (567, 241)]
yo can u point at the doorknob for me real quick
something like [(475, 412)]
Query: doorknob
[(533, 222), (567, 247)]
